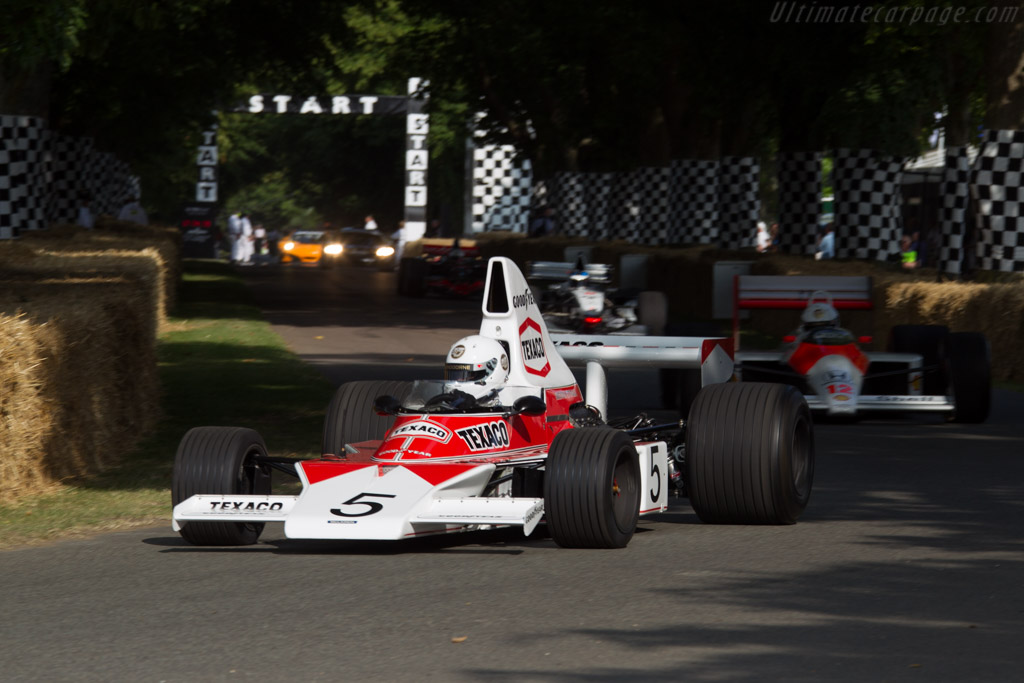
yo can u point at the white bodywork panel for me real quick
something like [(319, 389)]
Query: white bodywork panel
[(712, 356), (391, 502)]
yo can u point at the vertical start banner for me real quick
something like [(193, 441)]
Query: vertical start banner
[(417, 157)]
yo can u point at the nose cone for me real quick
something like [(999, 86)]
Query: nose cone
[(837, 382)]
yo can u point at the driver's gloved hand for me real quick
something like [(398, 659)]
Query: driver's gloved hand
[(461, 400)]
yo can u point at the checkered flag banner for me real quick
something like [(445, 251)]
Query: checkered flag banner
[(799, 176), (21, 179), (867, 201), (501, 189), (999, 201), (953, 211), (695, 201), (738, 202)]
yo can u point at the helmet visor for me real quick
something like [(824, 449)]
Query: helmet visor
[(462, 372)]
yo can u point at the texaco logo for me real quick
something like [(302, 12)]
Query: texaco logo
[(534, 358)]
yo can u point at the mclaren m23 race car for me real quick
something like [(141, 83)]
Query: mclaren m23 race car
[(926, 368), (402, 460), (578, 297), (445, 267)]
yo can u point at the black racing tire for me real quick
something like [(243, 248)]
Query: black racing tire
[(350, 416), (749, 454), (412, 277), (929, 341), (970, 372), (219, 460), (652, 312), (592, 488)]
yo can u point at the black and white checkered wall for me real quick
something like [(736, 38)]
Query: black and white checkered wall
[(955, 192), (44, 175), (21, 181), (695, 201), (799, 177), (501, 189), (738, 203), (999, 201), (867, 205)]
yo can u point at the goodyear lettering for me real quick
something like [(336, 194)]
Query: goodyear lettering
[(486, 436), (522, 300), (533, 348), (242, 506)]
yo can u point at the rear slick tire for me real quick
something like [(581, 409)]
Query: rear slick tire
[(970, 373), (592, 488), (219, 461), (749, 454), (350, 416)]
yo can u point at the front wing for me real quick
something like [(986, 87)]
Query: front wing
[(763, 361), (377, 501)]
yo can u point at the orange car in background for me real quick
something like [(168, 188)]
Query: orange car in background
[(310, 246)]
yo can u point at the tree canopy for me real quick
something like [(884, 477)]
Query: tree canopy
[(573, 84)]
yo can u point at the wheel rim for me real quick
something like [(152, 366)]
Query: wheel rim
[(624, 487), (802, 457)]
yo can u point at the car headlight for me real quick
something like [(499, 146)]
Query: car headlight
[(333, 249), (288, 246), (385, 251)]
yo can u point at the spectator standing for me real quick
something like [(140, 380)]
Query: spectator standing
[(773, 234), (908, 253), (247, 239), (763, 239), (235, 236), (827, 245), (370, 223), (259, 239), (133, 212), (273, 237), (544, 224), (85, 214)]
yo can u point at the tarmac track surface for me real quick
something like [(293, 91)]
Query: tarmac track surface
[(906, 566)]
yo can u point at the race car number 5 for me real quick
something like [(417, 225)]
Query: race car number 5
[(372, 506)]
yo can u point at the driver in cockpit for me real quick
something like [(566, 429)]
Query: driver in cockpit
[(475, 370)]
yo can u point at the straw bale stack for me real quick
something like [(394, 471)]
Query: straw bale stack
[(158, 244), (79, 316), (79, 377)]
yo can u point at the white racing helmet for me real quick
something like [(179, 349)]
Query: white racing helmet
[(820, 312), (476, 365)]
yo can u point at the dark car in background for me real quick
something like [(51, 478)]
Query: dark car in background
[(365, 248)]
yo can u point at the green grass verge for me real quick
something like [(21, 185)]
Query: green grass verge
[(220, 364)]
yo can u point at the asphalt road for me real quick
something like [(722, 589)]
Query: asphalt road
[(906, 566)]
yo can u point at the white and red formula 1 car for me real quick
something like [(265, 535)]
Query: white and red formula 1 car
[(925, 369), (404, 460)]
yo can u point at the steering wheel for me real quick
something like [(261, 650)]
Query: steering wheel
[(456, 401)]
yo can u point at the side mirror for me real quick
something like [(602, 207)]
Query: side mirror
[(529, 405), (386, 405)]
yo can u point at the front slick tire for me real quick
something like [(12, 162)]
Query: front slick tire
[(749, 454), (592, 488), (219, 460)]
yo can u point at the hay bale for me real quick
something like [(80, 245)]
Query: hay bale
[(79, 377), (160, 244)]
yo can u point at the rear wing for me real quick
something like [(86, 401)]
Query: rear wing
[(563, 270), (791, 292), (712, 356)]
